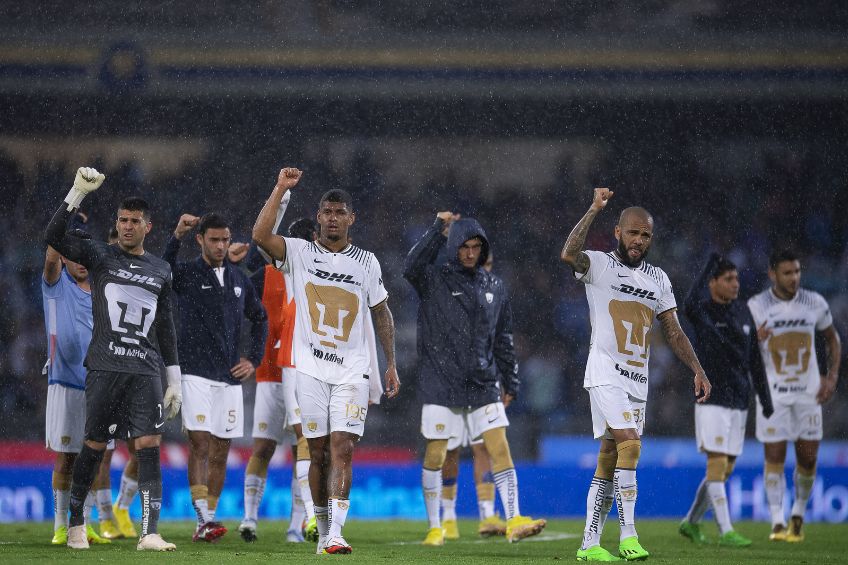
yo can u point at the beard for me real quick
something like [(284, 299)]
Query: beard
[(625, 256)]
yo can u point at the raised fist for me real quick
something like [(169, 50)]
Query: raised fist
[(88, 180), (185, 225), (602, 196), (288, 177)]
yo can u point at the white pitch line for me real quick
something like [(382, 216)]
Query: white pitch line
[(547, 536)]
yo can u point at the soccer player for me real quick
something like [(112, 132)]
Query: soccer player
[(276, 415), (787, 317), (490, 523), (467, 361), (214, 297), (625, 293), (336, 285), (726, 339), (130, 292)]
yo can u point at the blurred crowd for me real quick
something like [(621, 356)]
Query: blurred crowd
[(738, 200)]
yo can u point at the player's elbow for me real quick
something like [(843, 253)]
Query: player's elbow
[(568, 258)]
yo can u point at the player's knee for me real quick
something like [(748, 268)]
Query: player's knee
[(807, 468), (435, 454), (263, 449), (498, 448), (605, 468), (257, 466), (716, 467), (731, 464), (628, 452)]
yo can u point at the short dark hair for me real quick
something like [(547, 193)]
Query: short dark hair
[(780, 255), (211, 221), (337, 195), (303, 228), (136, 204), (723, 266)]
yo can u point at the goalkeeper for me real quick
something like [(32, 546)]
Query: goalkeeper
[(130, 294)]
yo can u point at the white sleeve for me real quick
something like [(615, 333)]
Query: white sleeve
[(825, 320), (666, 301), (598, 263), (376, 291), (757, 313)]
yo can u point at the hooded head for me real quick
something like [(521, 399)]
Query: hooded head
[(461, 233)]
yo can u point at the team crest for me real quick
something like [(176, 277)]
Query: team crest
[(440, 428), (343, 505), (201, 418), (746, 328), (312, 426), (237, 290), (719, 440), (489, 297), (627, 416), (770, 431), (66, 440), (112, 428), (263, 426), (297, 411)]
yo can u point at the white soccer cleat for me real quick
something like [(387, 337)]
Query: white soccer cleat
[(77, 537), (154, 542), (322, 540), (337, 546)]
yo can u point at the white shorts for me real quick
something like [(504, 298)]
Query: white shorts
[(212, 406), (464, 440), (452, 424), (65, 429), (290, 397), (269, 413), (790, 422), (613, 408), (719, 429), (327, 408)]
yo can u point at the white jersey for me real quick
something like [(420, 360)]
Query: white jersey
[(789, 354), (334, 293), (623, 302)]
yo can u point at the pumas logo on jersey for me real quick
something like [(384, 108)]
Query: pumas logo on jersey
[(263, 426), (312, 426), (201, 418), (637, 292), (136, 278), (334, 277), (66, 440), (489, 297), (112, 428), (237, 291), (790, 323)]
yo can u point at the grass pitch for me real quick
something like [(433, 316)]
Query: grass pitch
[(398, 542)]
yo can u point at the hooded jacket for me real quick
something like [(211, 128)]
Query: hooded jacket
[(466, 354)]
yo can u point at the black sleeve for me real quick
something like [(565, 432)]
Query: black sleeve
[(70, 246), (504, 350), (424, 254), (166, 333), (255, 312), (758, 371), (254, 262), (692, 304), (172, 250)]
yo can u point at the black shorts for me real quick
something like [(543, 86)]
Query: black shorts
[(121, 405)]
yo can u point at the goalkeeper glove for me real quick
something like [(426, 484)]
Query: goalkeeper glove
[(173, 395), (87, 180)]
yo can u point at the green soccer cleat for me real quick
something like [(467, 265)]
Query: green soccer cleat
[(733, 539), (60, 536), (630, 549), (692, 531), (310, 530), (595, 553), (93, 537)]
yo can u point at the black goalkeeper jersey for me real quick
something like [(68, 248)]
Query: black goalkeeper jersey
[(130, 295)]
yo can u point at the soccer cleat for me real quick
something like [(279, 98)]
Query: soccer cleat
[(631, 550), (294, 536), (77, 538), (247, 530), (109, 530), (209, 532), (692, 531), (154, 542), (310, 530), (125, 524), (492, 526), (733, 539), (435, 536), (778, 533), (337, 546), (322, 540), (520, 527), (451, 529), (595, 553), (60, 536), (794, 534), (94, 537)]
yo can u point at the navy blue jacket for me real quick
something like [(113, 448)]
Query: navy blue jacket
[(726, 344), (211, 316), (464, 322)]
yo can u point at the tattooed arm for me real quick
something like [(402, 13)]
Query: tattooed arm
[(681, 346), (572, 251), (384, 327)]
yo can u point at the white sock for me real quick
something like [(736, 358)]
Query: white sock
[(449, 509), (302, 470), (129, 487), (624, 483), (254, 489), (486, 508), (61, 504), (431, 483), (595, 515), (297, 510), (775, 487), (337, 514), (699, 505), (104, 504), (803, 488), (507, 485), (90, 502), (322, 519), (201, 510), (718, 500)]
